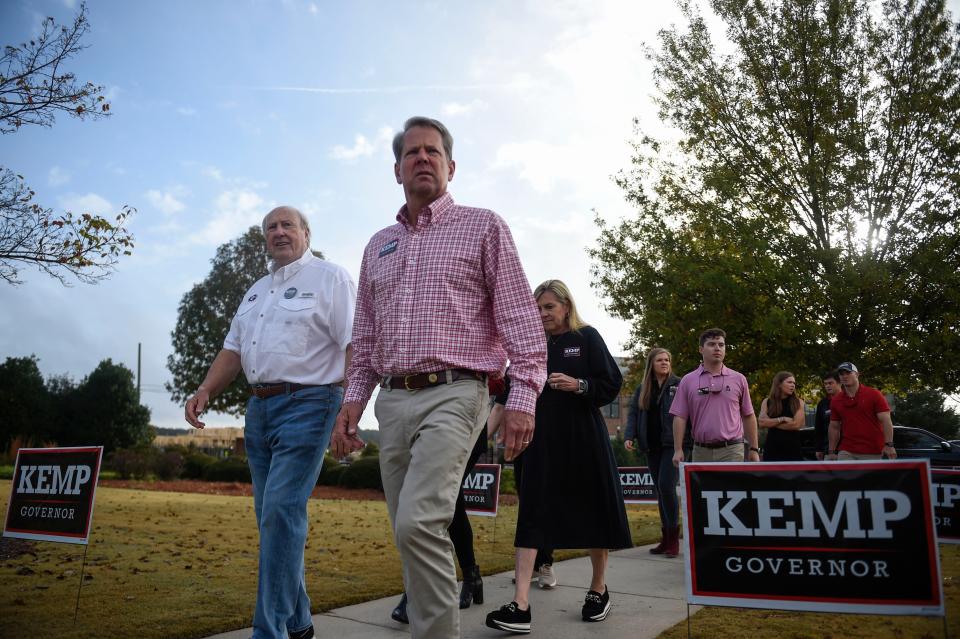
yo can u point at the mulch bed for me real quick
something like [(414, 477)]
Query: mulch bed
[(236, 489)]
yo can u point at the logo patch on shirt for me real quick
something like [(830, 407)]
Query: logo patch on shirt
[(305, 294), (389, 248), (290, 293), (252, 297), (571, 351)]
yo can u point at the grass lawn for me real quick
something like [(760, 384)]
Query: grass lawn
[(733, 623), (184, 565)]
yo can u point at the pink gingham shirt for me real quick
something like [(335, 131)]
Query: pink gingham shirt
[(448, 293)]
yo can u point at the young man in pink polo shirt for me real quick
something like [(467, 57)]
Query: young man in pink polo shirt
[(716, 400), (860, 423)]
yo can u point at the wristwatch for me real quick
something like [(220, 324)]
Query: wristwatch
[(581, 386), (888, 445), (754, 449)]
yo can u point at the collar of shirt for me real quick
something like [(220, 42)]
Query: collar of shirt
[(723, 371), (283, 273), (433, 212)]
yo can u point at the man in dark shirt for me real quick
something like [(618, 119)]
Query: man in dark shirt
[(821, 423)]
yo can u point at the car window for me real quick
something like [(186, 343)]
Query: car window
[(914, 439)]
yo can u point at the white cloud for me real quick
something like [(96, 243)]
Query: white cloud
[(165, 202), (363, 147), (88, 203), (541, 164), (235, 211), (212, 172), (186, 111), (460, 108), (58, 176), (313, 8)]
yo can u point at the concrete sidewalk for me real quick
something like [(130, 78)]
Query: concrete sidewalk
[(647, 593)]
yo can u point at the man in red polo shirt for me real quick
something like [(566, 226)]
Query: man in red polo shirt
[(859, 420)]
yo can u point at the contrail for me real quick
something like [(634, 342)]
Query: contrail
[(394, 89)]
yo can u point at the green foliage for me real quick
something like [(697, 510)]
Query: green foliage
[(34, 88), (24, 403), (103, 409), (362, 473), (203, 320), (130, 463), (927, 409), (230, 469), (508, 482), (623, 456), (810, 203), (331, 472), (370, 450), (195, 464)]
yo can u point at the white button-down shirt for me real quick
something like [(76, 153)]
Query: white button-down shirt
[(295, 324)]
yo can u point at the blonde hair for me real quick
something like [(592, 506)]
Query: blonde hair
[(648, 376), (558, 288)]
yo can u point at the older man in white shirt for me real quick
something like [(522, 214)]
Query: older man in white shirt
[(291, 337)]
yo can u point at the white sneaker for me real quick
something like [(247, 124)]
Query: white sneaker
[(534, 578), (547, 578)]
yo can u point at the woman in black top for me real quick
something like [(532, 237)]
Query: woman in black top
[(650, 424), (781, 413), (570, 495)]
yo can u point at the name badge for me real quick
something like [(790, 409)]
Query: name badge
[(389, 248), (571, 351)]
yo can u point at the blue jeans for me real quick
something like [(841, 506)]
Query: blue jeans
[(286, 436)]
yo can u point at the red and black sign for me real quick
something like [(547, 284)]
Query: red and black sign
[(946, 504), (821, 536), (52, 494), (637, 483), (481, 490)]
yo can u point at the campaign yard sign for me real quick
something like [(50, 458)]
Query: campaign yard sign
[(822, 536), (481, 490), (946, 504), (52, 494), (637, 484)]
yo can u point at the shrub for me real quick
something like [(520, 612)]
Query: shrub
[(331, 473), (623, 456), (230, 469), (362, 473), (168, 465), (508, 483), (195, 464), (130, 462), (370, 450)]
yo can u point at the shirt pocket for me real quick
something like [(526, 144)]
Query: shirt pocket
[(287, 334)]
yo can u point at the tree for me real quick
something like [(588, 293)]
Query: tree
[(204, 315), (104, 409), (927, 409), (810, 202), (34, 88), (24, 403)]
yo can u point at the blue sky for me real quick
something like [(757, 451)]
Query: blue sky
[(224, 109)]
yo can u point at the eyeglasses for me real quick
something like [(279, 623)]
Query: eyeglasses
[(707, 390)]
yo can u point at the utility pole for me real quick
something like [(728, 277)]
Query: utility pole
[(139, 344)]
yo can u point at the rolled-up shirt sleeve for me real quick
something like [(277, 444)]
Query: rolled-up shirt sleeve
[(516, 317)]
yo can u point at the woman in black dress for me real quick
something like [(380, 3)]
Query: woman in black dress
[(781, 413), (570, 495)]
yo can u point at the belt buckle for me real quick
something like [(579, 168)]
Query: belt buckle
[(406, 382)]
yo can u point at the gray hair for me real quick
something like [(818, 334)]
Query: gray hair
[(304, 224), (419, 120)]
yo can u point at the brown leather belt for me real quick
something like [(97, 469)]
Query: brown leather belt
[(426, 380), (264, 391), (721, 444)]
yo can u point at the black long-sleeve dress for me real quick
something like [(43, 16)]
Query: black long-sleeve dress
[(570, 494)]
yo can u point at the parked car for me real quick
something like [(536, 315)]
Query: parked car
[(911, 443)]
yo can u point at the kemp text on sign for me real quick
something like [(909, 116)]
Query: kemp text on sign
[(637, 484), (821, 536), (946, 504), (52, 494), (481, 490)]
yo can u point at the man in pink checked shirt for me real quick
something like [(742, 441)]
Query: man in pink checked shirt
[(443, 302)]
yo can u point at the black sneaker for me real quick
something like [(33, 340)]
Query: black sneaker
[(596, 606), (306, 633), (510, 619)]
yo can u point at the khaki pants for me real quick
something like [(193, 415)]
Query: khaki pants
[(425, 439), (844, 455), (733, 453)]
